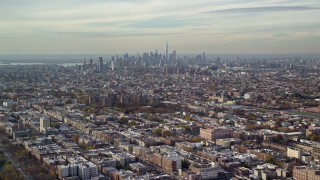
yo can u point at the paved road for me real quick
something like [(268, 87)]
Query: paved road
[(15, 164)]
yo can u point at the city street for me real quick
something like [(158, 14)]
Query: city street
[(14, 163)]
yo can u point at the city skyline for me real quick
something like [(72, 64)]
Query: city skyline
[(108, 27)]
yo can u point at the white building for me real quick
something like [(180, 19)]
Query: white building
[(206, 172), (69, 170), (85, 170), (249, 96), (88, 170), (9, 103), (124, 158), (299, 154), (44, 123), (294, 152)]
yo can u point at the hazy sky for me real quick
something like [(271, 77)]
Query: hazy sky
[(189, 26)]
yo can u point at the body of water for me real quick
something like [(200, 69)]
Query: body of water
[(29, 64), (24, 64), (69, 64), (19, 64)]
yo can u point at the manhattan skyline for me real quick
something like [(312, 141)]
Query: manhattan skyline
[(107, 27)]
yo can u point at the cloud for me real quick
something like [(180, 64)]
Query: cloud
[(110, 34), (264, 9), (194, 23), (163, 23)]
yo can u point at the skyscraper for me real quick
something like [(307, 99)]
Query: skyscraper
[(112, 65), (100, 64), (167, 51), (44, 123), (204, 56)]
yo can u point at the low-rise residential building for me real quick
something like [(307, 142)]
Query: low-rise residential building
[(215, 133), (306, 173)]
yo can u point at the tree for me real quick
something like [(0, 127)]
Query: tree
[(270, 160), (52, 174), (3, 161), (69, 101), (82, 144), (252, 127), (196, 139), (123, 120), (89, 148), (55, 125), (188, 119), (314, 137), (75, 138), (43, 169), (5, 141), (9, 173), (278, 139), (185, 164), (157, 132), (251, 116), (131, 124), (278, 122), (165, 133), (154, 119)]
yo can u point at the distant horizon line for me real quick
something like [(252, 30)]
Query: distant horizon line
[(199, 53)]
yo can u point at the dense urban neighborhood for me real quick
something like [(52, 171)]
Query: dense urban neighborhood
[(159, 116)]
